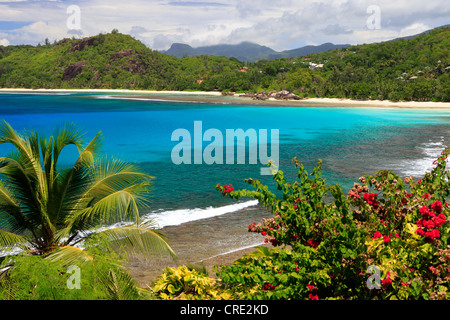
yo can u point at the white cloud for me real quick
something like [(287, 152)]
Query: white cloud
[(4, 42), (281, 24), (413, 29)]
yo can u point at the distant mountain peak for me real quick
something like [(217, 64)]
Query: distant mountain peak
[(247, 51)]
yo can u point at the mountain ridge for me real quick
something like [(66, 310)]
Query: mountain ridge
[(248, 51)]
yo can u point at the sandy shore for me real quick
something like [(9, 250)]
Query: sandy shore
[(329, 102), (146, 273), (137, 92), (375, 103)]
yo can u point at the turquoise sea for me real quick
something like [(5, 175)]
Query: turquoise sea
[(350, 141)]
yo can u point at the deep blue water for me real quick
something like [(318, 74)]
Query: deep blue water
[(350, 141)]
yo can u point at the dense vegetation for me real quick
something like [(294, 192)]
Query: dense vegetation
[(50, 218), (403, 69), (388, 238)]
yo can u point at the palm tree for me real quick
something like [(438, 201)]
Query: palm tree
[(48, 210)]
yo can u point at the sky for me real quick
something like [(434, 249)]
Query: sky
[(278, 24)]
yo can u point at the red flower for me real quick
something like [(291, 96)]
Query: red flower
[(377, 235), (313, 243), (267, 286), (313, 296), (370, 199), (424, 211), (227, 188), (264, 233), (437, 206), (420, 232), (386, 281), (311, 287), (432, 219), (426, 195)]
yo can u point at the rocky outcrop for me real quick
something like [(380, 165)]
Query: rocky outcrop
[(80, 45), (134, 62), (73, 70), (278, 95), (123, 53), (228, 93)]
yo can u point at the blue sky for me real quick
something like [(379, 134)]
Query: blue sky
[(279, 24)]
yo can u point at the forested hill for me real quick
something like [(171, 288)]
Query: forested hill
[(403, 69)]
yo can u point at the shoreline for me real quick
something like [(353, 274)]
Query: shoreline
[(310, 102), (145, 274)]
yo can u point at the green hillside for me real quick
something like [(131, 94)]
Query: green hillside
[(109, 60), (403, 69)]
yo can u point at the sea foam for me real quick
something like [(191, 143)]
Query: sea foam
[(180, 216), (417, 168)]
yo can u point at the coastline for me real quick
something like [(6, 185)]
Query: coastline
[(146, 274), (318, 102)]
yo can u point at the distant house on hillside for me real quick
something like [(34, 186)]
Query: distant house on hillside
[(244, 69), (314, 66)]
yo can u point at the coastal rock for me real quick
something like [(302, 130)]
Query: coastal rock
[(227, 93), (261, 96), (73, 70), (278, 95)]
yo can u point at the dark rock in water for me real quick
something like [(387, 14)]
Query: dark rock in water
[(278, 95)]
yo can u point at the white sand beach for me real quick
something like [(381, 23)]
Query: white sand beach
[(137, 92), (307, 101)]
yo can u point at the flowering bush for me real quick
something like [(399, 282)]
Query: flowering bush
[(328, 244), (185, 283)]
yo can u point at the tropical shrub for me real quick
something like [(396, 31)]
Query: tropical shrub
[(33, 277), (187, 284), (47, 209), (386, 239)]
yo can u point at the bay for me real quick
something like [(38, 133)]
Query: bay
[(351, 141)]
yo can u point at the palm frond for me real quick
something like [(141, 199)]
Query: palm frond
[(87, 155), (70, 255), (111, 176), (71, 183), (27, 148), (66, 134), (119, 285), (120, 205), (139, 240), (10, 240)]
